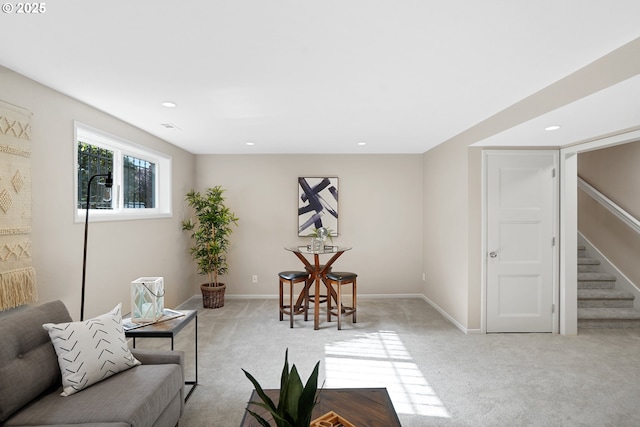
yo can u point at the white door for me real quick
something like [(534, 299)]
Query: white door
[(521, 214)]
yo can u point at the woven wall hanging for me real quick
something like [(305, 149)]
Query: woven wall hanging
[(17, 276)]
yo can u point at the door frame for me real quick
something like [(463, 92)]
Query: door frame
[(569, 223), (557, 302)]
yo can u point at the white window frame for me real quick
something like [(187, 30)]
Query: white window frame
[(122, 147)]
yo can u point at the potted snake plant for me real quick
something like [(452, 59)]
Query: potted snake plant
[(295, 403), (210, 231)]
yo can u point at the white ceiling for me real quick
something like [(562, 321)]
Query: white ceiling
[(605, 112), (303, 76)]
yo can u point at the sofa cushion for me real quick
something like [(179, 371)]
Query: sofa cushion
[(136, 397), (28, 365), (90, 351)]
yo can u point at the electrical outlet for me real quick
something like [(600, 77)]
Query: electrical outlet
[(254, 278)]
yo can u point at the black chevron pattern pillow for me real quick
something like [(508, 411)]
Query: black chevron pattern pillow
[(91, 350)]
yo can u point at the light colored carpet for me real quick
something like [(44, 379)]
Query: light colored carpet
[(435, 374)]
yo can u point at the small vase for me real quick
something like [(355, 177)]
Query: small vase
[(316, 244)]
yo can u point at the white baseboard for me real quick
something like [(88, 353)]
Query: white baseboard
[(449, 318), (251, 296), (275, 296), (390, 296), (360, 296)]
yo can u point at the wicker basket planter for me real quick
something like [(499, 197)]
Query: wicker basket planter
[(213, 296)]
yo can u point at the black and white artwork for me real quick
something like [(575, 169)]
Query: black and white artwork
[(317, 205)]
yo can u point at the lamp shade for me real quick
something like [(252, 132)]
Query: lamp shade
[(147, 299)]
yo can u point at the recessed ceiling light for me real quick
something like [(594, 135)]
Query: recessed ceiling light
[(250, 143), (362, 143), (170, 126), (554, 127), (169, 104)]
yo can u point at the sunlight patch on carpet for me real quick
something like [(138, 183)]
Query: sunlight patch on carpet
[(380, 359)]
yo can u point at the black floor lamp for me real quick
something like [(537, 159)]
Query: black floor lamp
[(108, 183)]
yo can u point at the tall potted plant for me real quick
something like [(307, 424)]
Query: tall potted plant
[(210, 231)]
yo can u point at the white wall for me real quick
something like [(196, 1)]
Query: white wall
[(452, 226), (380, 208), (119, 251), (446, 230), (380, 214), (386, 193)]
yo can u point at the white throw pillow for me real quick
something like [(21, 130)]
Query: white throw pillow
[(90, 351)]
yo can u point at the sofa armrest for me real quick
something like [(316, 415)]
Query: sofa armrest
[(158, 357), (163, 357)]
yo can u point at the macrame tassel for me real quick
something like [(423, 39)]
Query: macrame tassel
[(17, 287)]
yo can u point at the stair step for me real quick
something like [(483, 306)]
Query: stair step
[(608, 318), (604, 298), (588, 265), (596, 281)]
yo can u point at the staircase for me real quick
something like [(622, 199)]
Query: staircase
[(600, 305)]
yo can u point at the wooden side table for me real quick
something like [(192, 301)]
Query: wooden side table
[(169, 329), (370, 407)]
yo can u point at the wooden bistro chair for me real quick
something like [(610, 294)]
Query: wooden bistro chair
[(338, 279), (293, 277)]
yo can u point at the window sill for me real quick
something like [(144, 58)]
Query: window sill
[(119, 216)]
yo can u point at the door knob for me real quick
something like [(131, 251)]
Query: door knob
[(493, 254)]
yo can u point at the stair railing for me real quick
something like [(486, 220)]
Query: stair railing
[(610, 205)]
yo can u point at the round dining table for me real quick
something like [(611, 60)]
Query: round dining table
[(317, 271)]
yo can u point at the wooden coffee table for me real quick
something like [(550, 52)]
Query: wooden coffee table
[(362, 407)]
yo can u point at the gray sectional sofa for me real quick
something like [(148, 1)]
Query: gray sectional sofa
[(150, 394)]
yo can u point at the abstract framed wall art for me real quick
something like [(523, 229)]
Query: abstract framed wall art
[(317, 204)]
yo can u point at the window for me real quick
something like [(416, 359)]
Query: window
[(141, 178)]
